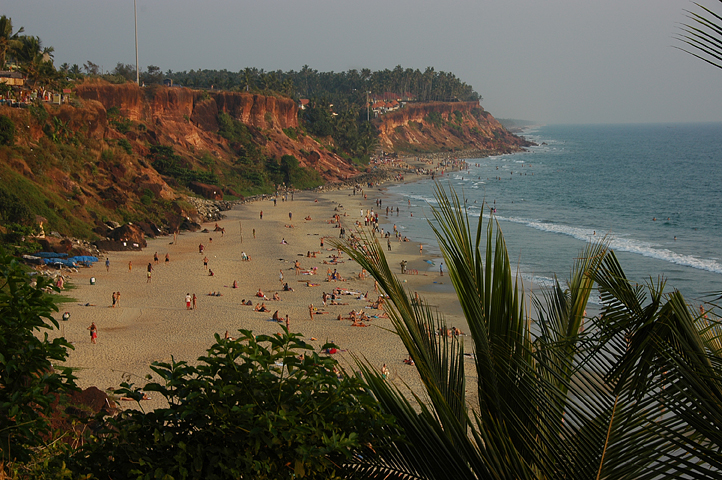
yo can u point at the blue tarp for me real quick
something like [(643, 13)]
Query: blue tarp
[(59, 261), (50, 255), (84, 259), (72, 261)]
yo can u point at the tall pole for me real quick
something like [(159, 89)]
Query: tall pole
[(137, 72)]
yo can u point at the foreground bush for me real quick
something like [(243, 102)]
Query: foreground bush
[(254, 407)]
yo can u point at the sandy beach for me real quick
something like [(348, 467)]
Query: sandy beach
[(151, 322)]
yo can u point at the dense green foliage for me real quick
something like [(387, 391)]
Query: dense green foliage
[(265, 407), (354, 137), (259, 173), (29, 380), (166, 162), (288, 172), (7, 131), (13, 209), (426, 86)]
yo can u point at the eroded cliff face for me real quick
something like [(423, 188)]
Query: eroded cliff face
[(439, 127), (188, 120), (143, 103), (86, 165)]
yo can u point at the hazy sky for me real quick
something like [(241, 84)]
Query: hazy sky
[(553, 61)]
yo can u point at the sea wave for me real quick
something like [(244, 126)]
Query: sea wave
[(620, 243), (422, 198)]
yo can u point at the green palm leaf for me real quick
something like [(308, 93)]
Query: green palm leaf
[(704, 36), (572, 397)]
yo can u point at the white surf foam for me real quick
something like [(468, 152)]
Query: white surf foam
[(621, 243)]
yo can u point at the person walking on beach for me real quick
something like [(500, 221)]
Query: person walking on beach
[(421, 249), (130, 265), (114, 299), (155, 258), (310, 311), (194, 301), (441, 269), (388, 243), (117, 299), (280, 276), (188, 301), (261, 214), (107, 264), (93, 332), (167, 258), (150, 269), (290, 216), (205, 263)]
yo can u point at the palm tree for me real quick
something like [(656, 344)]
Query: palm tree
[(551, 399), (8, 40), (35, 62)]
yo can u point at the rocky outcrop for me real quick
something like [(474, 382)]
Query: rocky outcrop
[(209, 210), (126, 237)]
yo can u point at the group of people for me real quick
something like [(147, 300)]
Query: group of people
[(191, 301), (358, 318)]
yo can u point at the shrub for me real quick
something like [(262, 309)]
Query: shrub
[(28, 380), (7, 131), (291, 133), (166, 162), (265, 407), (434, 118), (107, 155), (13, 209), (124, 143), (459, 116)]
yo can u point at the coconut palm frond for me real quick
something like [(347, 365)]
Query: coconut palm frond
[(632, 394), (561, 314), (489, 294), (703, 35), (439, 359), (670, 358), (430, 451)]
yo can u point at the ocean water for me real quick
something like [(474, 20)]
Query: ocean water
[(654, 189)]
